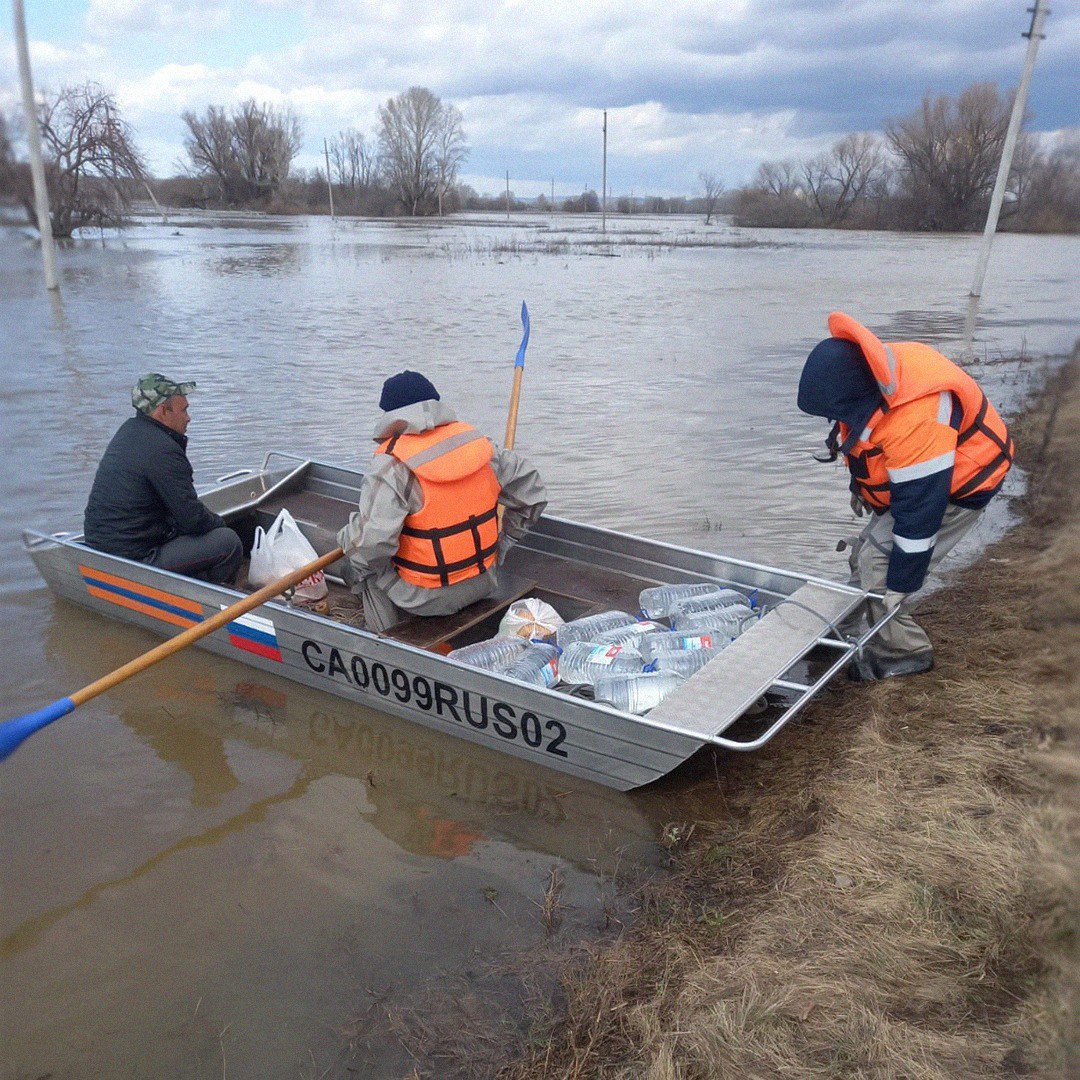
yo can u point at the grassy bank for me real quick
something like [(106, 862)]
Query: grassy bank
[(890, 890)]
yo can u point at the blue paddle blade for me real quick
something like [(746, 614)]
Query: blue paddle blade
[(13, 733), (520, 361)]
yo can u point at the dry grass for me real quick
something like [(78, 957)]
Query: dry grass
[(892, 892)]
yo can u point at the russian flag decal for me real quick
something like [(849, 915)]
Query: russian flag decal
[(255, 634)]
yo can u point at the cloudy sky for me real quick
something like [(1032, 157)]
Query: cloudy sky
[(689, 85)]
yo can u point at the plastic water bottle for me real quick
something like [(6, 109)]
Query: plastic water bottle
[(496, 654), (714, 601), (730, 620), (684, 663), (583, 662), (628, 635), (657, 602), (586, 629), (538, 665), (652, 646), (636, 692)]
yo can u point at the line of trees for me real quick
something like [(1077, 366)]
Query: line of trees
[(933, 169)]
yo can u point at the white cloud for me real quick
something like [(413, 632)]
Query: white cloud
[(687, 85), (108, 18)]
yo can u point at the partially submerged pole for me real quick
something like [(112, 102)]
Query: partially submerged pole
[(329, 185), (1034, 36), (33, 137), (603, 202)]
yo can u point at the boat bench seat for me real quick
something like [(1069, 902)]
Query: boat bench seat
[(429, 632)]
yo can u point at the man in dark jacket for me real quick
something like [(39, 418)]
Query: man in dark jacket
[(143, 503)]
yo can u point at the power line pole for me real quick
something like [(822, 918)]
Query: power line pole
[(33, 137), (603, 203), (1034, 36), (329, 186), (507, 194)]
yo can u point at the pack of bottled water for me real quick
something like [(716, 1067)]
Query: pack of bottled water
[(651, 646), (629, 634), (587, 628), (538, 665), (661, 601), (731, 621), (684, 663), (583, 662), (636, 692), (657, 602), (496, 654)]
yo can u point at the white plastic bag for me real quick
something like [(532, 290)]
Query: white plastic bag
[(530, 618), (280, 550)]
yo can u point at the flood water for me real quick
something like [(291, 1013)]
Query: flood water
[(210, 871)]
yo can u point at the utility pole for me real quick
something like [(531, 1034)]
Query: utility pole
[(329, 185), (553, 196), (33, 137), (603, 203), (1034, 36), (507, 194)]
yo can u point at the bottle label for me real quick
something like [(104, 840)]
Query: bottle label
[(603, 654), (702, 641), (550, 673)]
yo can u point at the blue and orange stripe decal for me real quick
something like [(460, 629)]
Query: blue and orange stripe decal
[(142, 598), (251, 633)]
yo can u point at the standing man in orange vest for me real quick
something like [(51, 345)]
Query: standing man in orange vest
[(426, 539), (926, 452)]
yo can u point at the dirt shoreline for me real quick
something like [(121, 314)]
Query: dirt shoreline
[(892, 890)]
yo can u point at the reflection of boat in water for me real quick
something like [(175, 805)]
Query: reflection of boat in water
[(405, 672), (429, 794)]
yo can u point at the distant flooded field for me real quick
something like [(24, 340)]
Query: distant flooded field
[(211, 870)]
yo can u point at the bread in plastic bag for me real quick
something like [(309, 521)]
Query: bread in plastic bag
[(280, 550), (530, 618)]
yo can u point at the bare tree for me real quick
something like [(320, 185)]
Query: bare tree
[(422, 146), (1050, 194), (837, 180), (14, 174), (949, 152), (451, 151), (248, 151), (91, 163), (779, 178), (354, 160), (713, 188)]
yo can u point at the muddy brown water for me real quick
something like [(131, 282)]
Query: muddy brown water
[(210, 871)]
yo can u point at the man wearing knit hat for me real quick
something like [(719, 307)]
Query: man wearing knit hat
[(143, 503), (427, 538)]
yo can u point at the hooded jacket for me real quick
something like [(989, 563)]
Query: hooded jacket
[(390, 493), (916, 431)]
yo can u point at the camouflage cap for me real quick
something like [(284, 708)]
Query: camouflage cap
[(151, 390)]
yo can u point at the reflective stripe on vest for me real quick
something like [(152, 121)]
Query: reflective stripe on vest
[(905, 372), (455, 534)]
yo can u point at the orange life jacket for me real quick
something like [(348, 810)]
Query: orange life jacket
[(906, 372), (455, 534)]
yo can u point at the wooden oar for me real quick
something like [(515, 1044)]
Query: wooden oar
[(14, 732)]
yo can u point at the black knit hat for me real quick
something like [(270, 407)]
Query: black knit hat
[(406, 388)]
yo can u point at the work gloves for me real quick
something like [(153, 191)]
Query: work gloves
[(858, 504)]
